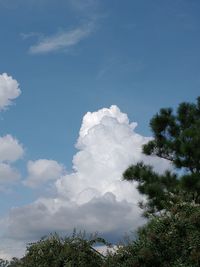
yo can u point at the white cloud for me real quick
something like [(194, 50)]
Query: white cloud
[(93, 197), (62, 40), (107, 145), (42, 171), (10, 149), (9, 90), (8, 174)]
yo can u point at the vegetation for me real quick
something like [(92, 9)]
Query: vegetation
[(177, 139), (55, 251), (172, 235), (171, 238)]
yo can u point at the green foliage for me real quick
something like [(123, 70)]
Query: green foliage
[(169, 240), (177, 139), (177, 136), (54, 251), (158, 188), (171, 237)]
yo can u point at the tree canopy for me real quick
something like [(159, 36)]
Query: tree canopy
[(169, 240), (171, 237), (55, 251), (176, 138)]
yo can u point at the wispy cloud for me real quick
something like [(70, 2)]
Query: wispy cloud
[(30, 35), (62, 40), (118, 66)]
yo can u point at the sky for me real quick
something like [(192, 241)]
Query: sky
[(79, 82)]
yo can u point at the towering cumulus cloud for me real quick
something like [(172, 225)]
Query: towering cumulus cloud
[(107, 144), (93, 197), (9, 90)]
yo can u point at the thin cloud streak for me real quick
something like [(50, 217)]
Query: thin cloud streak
[(62, 40)]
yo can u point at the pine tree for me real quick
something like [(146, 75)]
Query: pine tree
[(171, 236), (176, 139)]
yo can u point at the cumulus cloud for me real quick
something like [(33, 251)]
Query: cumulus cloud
[(62, 40), (9, 90), (41, 171), (107, 145), (93, 197), (10, 149), (7, 174)]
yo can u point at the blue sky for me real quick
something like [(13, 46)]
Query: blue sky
[(72, 57)]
